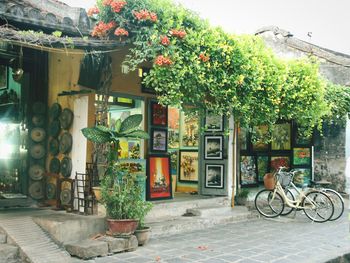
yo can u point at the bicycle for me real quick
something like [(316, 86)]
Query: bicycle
[(316, 205)]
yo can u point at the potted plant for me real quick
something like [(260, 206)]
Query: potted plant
[(120, 193), (242, 196), (142, 232)]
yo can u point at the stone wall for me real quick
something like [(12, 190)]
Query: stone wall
[(329, 150)]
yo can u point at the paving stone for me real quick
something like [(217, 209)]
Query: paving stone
[(87, 249), (3, 238), (8, 253), (115, 244), (132, 243)]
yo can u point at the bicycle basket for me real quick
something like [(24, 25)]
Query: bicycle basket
[(284, 178)]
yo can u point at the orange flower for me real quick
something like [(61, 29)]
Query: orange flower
[(102, 29), (145, 15), (203, 57), (178, 33), (163, 61), (93, 11), (164, 40), (117, 6), (121, 32)]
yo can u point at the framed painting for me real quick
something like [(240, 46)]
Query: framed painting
[(134, 149), (174, 161), (281, 137), (213, 122), (301, 156), (123, 151), (248, 171), (263, 166), (300, 139), (279, 161), (214, 176), (173, 118), (3, 77), (159, 114), (302, 176), (213, 147), (189, 131), (158, 178), (159, 140), (173, 139), (143, 72), (188, 165), (243, 138), (261, 133)]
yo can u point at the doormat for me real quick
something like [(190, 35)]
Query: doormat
[(12, 196)]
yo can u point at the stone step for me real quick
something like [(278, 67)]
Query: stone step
[(182, 224), (209, 211), (8, 253)]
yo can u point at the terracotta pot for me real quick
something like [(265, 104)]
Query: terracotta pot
[(269, 181), (142, 235), (97, 192), (122, 226)]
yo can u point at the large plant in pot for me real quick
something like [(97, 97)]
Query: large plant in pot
[(120, 192)]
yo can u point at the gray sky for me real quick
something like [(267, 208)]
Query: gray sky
[(328, 20)]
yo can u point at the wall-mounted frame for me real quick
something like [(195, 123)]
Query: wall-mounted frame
[(277, 161), (281, 137), (213, 147), (243, 138), (259, 145), (213, 122), (189, 133), (188, 165), (302, 176), (158, 177), (3, 77), (214, 176), (300, 139), (302, 156), (159, 114), (263, 165), (248, 170), (159, 140), (142, 73)]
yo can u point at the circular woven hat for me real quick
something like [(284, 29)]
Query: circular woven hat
[(66, 166), (55, 111), (66, 118), (38, 120), (54, 128), (55, 166), (54, 146), (50, 191), (65, 197), (38, 107), (37, 151), (66, 142), (36, 172), (36, 190), (38, 134)]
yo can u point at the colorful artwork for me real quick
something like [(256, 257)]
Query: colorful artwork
[(301, 156), (189, 130), (123, 151), (248, 170), (214, 122), (159, 140), (159, 178), (133, 166), (300, 139), (242, 138), (214, 176), (174, 118), (134, 149), (188, 166), (281, 137), (213, 147), (302, 176), (159, 114), (173, 139), (263, 167), (261, 133), (279, 161), (174, 160)]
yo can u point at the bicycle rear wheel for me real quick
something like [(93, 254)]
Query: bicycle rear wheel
[(287, 209), (318, 206), (338, 203), (268, 203)]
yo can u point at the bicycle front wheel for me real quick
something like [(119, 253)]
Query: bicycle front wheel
[(338, 203), (268, 203), (288, 209), (318, 206)]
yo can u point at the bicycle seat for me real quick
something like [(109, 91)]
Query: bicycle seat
[(321, 183)]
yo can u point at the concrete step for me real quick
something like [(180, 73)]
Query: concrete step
[(8, 253), (209, 211), (181, 224)]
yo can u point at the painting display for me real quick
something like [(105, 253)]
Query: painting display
[(243, 138), (281, 137), (213, 147), (134, 149), (173, 139), (123, 151), (159, 140), (300, 139), (189, 131), (263, 167), (188, 166), (159, 178), (302, 176), (159, 114), (174, 118), (279, 161), (174, 160), (214, 122), (261, 133), (134, 166), (248, 173), (301, 156), (214, 176), (3, 77)]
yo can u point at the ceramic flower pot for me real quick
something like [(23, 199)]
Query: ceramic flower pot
[(143, 235), (122, 226), (269, 181)]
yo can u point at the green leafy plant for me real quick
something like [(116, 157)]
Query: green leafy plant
[(243, 193), (121, 194)]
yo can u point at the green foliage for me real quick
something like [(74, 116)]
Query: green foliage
[(243, 193)]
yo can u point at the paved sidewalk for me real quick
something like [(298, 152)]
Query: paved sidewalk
[(284, 239)]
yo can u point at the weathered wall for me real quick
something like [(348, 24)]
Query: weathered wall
[(329, 154)]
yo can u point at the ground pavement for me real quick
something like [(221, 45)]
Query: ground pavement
[(284, 239)]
